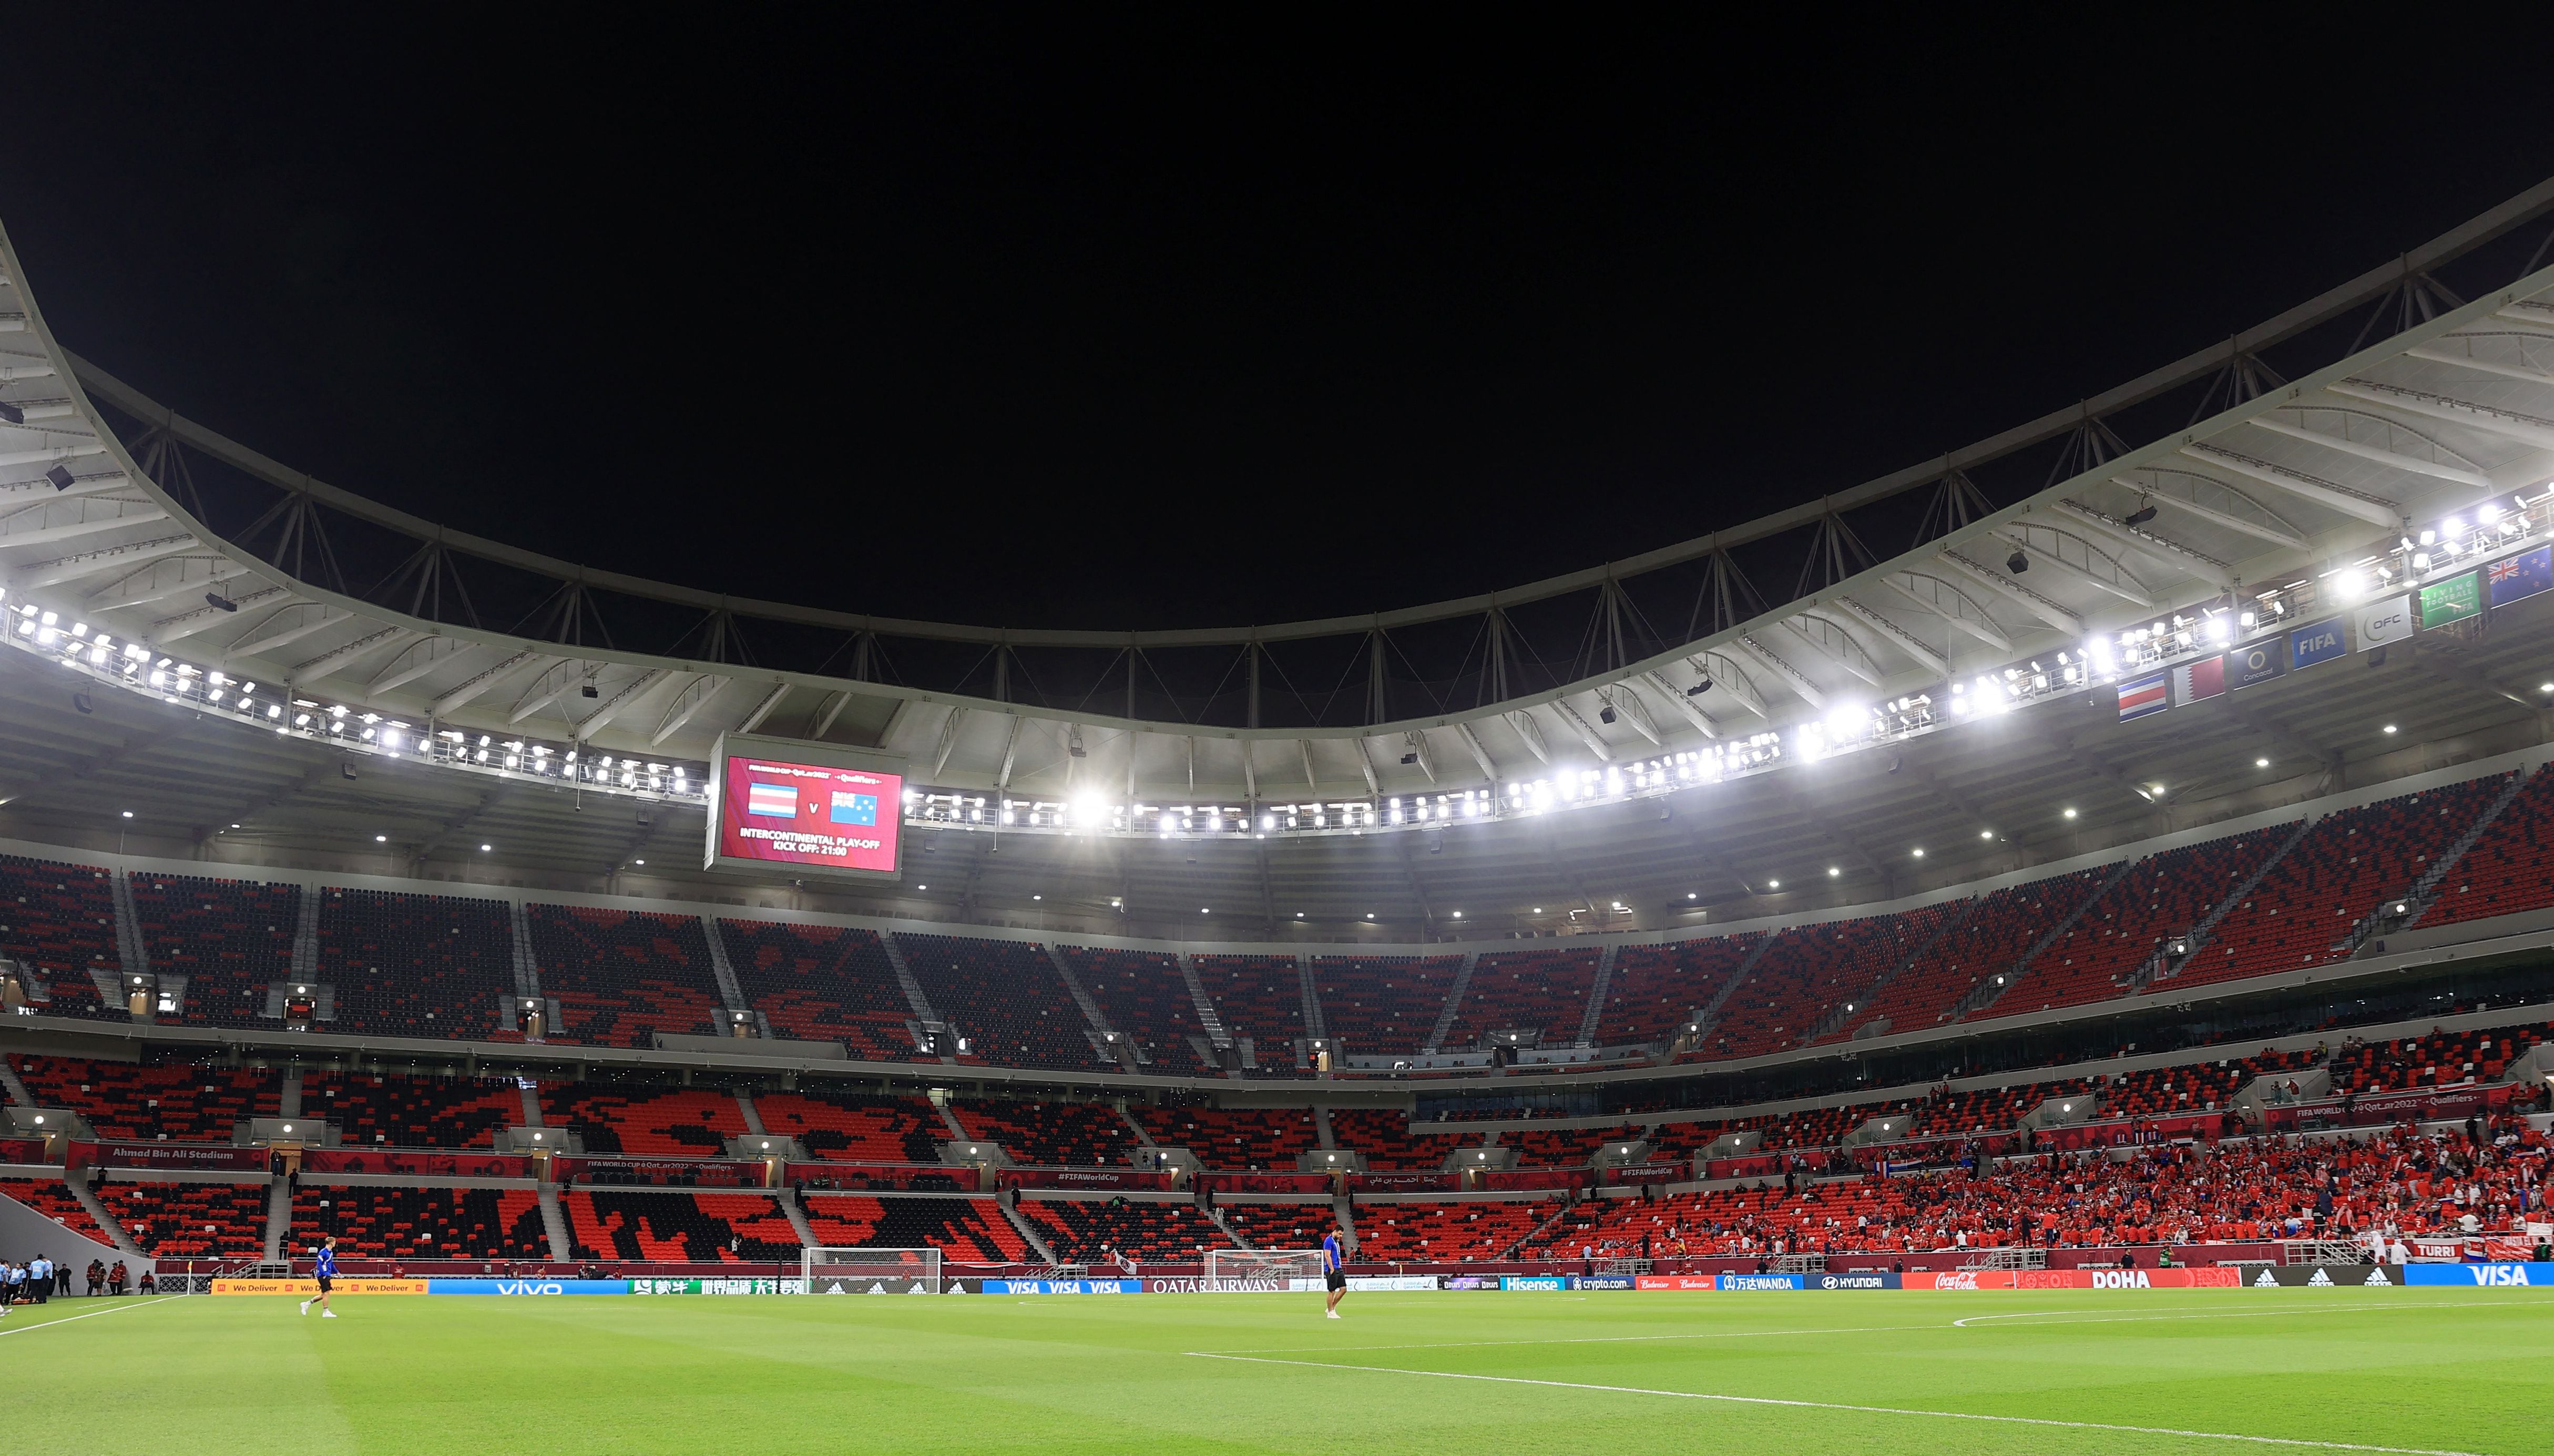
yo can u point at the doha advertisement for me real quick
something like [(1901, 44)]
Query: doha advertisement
[(815, 807)]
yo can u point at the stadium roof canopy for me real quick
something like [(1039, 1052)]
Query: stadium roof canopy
[(1775, 699)]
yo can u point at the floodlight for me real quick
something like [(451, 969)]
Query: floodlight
[(11, 413), (220, 603), (1603, 715), (2141, 515), (61, 477), (2017, 563)]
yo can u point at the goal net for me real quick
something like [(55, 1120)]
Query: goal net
[(839, 1270), (1263, 1269)]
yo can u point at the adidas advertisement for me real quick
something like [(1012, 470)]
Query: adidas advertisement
[(2323, 1276), (848, 1284)]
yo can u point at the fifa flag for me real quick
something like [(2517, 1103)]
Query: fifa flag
[(2523, 575), (781, 801), (2195, 681), (2145, 695)]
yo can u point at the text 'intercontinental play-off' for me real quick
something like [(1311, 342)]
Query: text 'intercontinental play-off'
[(1985, 1000)]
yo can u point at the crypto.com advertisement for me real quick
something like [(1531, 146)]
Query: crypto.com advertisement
[(776, 808)]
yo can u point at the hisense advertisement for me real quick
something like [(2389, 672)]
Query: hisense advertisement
[(809, 808)]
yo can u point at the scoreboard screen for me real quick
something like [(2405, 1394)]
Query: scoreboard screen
[(811, 806)]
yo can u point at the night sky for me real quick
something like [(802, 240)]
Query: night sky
[(1110, 318)]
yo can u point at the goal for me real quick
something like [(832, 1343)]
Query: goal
[(1263, 1269), (832, 1270)]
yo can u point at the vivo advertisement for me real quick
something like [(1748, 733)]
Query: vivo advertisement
[(806, 805)]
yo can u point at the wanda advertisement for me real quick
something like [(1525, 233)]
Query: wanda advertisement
[(414, 1162), (181, 1156), (806, 805)]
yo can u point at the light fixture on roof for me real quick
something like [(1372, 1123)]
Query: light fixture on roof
[(2261, 763), (2141, 515), (2070, 814), (59, 477), (1919, 851), (1772, 884), (2017, 563), (220, 603), (2389, 728), (11, 413), (381, 838), (1833, 871)]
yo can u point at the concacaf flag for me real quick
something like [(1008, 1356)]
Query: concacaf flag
[(2145, 695)]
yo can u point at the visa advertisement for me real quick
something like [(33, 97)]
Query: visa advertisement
[(805, 807)]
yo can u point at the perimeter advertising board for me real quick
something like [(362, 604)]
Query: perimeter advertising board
[(306, 1288), (812, 808)]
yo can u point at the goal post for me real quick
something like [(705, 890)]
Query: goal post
[(1233, 1269), (834, 1269)]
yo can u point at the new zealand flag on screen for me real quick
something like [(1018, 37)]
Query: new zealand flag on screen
[(2522, 575), (855, 808)]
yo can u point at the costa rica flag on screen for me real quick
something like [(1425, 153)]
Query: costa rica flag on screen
[(775, 811), (781, 801)]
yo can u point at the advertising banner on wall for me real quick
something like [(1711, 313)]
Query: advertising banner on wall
[(2479, 1275), (1691, 1283), (1101, 1179), (1405, 1182), (2316, 642), (869, 1178), (414, 1162), (527, 1286), (766, 1284), (1064, 1286), (1266, 1183), (2453, 600), (22, 1150), (309, 1289), (661, 1172), (2389, 621), (2257, 662), (2323, 1276), (1741, 1282), (187, 1157)]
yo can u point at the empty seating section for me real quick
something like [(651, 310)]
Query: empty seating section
[(59, 919), (2162, 895), (1258, 997), (1278, 1225), (419, 1223), (2409, 1063), (1990, 1110), (1809, 969), (2510, 870), (1004, 997), (416, 966), (823, 984), (698, 1228), (230, 939), (1454, 1233), (1382, 1005), (1540, 991), (412, 1111), (2332, 880), (855, 1127), (1051, 1133), (1260, 1139), (1085, 1232), (173, 1220), (964, 1230), (1563, 1147), (621, 975), (646, 1122), (179, 1104), (47, 1196), (1142, 994), (1989, 942), (1655, 989), (1385, 1138)]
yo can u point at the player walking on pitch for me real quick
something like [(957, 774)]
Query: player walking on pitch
[(1333, 1273), (325, 1270)]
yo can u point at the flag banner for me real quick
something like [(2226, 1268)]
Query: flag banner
[(2316, 642), (2381, 622), (2514, 578), (2453, 600), (2146, 694), (2194, 682), (2257, 662)]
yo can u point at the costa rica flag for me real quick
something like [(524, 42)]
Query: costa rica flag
[(781, 801), (2145, 695)]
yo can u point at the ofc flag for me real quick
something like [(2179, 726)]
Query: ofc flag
[(809, 806), (2381, 622)]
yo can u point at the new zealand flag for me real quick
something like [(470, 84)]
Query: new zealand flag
[(2523, 575)]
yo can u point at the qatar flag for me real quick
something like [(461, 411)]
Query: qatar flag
[(2193, 681)]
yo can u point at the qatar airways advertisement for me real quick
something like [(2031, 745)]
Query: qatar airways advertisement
[(808, 806)]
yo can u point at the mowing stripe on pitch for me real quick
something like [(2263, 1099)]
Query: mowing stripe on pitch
[(21, 1329), (1564, 1385)]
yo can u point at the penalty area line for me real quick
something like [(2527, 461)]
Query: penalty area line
[(2039, 1420), (25, 1329)]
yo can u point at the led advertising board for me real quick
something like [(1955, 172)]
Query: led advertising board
[(807, 808)]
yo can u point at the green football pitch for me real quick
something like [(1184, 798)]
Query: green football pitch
[(2168, 1371)]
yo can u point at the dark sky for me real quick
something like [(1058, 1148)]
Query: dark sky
[(1110, 318)]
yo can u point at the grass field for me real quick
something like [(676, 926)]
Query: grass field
[(2382, 1370)]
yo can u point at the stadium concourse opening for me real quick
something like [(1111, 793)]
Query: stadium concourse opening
[(2108, 944)]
